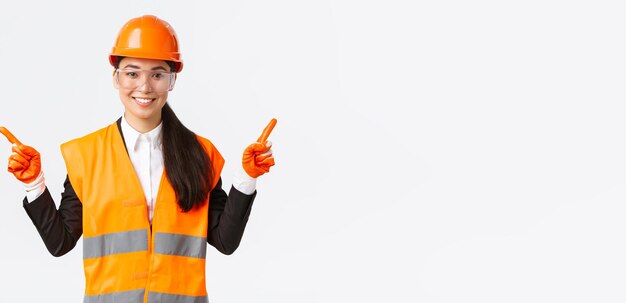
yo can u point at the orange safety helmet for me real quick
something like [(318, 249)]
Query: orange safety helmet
[(147, 37)]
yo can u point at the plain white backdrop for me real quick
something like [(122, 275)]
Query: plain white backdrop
[(427, 151)]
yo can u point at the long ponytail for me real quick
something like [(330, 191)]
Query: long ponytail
[(187, 165)]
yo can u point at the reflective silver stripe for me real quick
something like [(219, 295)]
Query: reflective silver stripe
[(159, 297), (115, 243), (180, 245), (131, 296)]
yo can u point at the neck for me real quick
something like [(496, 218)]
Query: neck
[(142, 125)]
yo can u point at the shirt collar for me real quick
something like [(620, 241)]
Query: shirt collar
[(131, 135)]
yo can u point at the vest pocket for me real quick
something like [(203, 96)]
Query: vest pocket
[(140, 275), (133, 203)]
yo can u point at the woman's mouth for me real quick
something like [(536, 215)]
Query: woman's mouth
[(143, 101)]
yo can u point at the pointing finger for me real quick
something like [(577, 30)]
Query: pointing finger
[(266, 132), (9, 135)]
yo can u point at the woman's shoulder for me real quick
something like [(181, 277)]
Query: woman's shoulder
[(94, 136), (211, 150), (205, 141)]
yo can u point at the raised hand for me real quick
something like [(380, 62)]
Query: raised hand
[(25, 161), (257, 157)]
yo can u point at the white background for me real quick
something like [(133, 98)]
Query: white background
[(427, 151)]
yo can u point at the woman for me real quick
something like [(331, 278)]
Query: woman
[(145, 192)]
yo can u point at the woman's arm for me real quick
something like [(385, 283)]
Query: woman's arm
[(60, 229), (228, 215)]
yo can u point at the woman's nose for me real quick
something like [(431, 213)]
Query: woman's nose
[(144, 86)]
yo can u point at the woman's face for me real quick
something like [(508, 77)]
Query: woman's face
[(140, 92)]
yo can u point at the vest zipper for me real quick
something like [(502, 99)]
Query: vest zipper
[(151, 259), (151, 235)]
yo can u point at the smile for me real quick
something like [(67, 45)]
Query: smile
[(143, 100)]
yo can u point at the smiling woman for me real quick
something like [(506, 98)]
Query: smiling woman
[(145, 192), (143, 87)]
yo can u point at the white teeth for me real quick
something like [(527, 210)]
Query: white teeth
[(142, 100)]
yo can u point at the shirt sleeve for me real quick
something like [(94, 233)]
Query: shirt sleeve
[(59, 229), (35, 188), (228, 216), (244, 183)]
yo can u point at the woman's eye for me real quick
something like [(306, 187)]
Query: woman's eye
[(131, 74), (157, 75)]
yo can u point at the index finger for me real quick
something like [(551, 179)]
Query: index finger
[(267, 131), (9, 135)]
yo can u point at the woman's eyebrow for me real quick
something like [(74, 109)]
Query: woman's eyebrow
[(131, 66), (137, 67)]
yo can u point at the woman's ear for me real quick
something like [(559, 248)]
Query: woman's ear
[(115, 83)]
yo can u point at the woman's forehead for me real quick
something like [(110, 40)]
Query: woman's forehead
[(142, 63)]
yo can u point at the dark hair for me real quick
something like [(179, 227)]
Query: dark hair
[(187, 166)]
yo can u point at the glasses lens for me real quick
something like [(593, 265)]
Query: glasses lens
[(157, 81)]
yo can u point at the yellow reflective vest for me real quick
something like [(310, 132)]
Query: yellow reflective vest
[(125, 258)]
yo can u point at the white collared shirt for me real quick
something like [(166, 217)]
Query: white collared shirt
[(146, 154)]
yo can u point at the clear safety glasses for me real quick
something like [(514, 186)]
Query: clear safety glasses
[(157, 81)]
